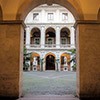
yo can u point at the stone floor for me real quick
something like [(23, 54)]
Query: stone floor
[(49, 83)]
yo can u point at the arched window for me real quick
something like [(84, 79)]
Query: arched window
[(35, 36), (65, 36)]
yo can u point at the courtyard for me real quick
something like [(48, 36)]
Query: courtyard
[(49, 83)]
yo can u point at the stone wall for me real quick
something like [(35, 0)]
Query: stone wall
[(11, 58), (88, 58)]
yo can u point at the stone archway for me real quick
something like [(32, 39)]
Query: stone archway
[(98, 14), (89, 76), (65, 65), (1, 14), (50, 62), (35, 36), (65, 36), (25, 8), (50, 37), (35, 62)]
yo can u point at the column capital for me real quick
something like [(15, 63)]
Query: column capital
[(27, 28), (57, 27), (42, 26)]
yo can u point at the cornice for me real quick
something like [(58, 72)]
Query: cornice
[(86, 22), (13, 22)]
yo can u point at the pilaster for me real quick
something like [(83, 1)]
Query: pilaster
[(42, 37), (57, 37), (28, 32), (11, 58), (72, 37), (88, 58)]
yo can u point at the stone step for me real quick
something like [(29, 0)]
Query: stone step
[(50, 97)]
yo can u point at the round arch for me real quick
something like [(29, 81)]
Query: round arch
[(35, 54), (1, 13), (35, 61), (35, 29), (50, 36), (98, 14), (65, 35), (65, 28), (50, 53), (65, 53), (50, 61), (25, 8), (64, 59), (35, 36), (50, 29)]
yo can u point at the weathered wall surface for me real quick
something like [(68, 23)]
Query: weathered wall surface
[(88, 58), (10, 58)]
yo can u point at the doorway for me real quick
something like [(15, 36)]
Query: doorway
[(50, 62), (51, 34)]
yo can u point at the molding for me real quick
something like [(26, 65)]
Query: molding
[(86, 22), (57, 24), (13, 22)]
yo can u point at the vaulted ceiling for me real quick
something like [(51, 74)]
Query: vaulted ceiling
[(85, 9)]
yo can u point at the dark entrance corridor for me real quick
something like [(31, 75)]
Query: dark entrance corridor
[(50, 62)]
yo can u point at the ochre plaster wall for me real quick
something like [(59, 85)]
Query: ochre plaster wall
[(88, 58), (86, 9), (11, 58)]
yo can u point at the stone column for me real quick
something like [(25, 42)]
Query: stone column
[(57, 37), (58, 62), (11, 58), (28, 36), (72, 38), (71, 69), (42, 67), (88, 59), (42, 37)]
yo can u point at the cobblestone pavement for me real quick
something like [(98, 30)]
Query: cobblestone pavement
[(49, 83)]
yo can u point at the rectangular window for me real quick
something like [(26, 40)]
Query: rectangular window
[(64, 16), (35, 16), (50, 16)]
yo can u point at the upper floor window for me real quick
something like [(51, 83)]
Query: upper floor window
[(64, 16), (63, 40), (35, 16), (50, 16)]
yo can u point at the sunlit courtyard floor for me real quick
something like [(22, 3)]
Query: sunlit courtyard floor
[(49, 83)]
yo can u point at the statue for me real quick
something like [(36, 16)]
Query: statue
[(65, 64), (35, 64)]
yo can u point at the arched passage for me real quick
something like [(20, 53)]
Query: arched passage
[(98, 14), (25, 8), (1, 14), (35, 62), (50, 61), (65, 58)]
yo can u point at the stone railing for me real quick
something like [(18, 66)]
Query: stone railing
[(49, 46)]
